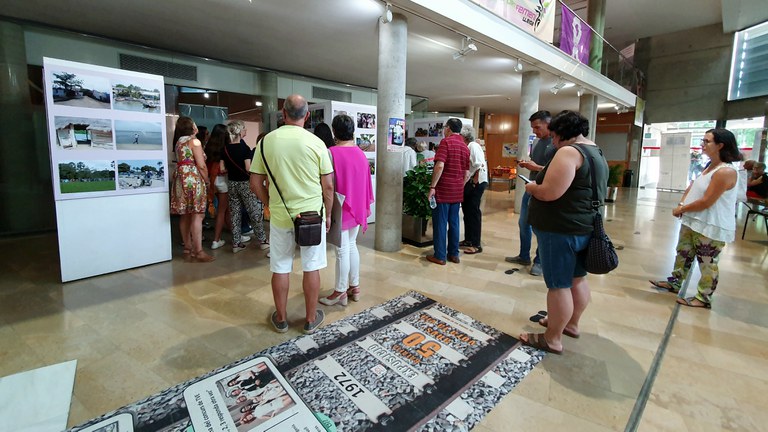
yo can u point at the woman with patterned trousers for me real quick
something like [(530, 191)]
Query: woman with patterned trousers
[(237, 159), (706, 219)]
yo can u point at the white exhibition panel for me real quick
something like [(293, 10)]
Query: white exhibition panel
[(109, 167), (109, 234), (364, 133), (675, 153)]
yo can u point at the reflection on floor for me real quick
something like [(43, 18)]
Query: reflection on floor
[(140, 331)]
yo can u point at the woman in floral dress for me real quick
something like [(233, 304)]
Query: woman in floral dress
[(189, 197)]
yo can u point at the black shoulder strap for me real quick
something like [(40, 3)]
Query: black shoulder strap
[(271, 177), (588, 157)]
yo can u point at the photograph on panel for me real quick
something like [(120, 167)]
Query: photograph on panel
[(78, 90), (138, 135), (315, 118), (435, 129), (80, 133), (135, 174), (366, 142), (79, 176), (366, 121), (136, 95), (254, 396)]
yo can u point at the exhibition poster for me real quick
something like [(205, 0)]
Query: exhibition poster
[(536, 17), (106, 130), (396, 135)]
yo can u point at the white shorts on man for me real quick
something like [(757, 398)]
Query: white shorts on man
[(283, 249)]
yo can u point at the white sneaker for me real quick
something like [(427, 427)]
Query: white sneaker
[(264, 245), (238, 247), (244, 239), (217, 244), (249, 232)]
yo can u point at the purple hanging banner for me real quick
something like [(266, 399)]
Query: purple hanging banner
[(574, 36)]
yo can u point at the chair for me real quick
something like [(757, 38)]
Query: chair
[(756, 208)]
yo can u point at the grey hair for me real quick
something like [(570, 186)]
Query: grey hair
[(235, 129), (421, 146), (468, 133), (298, 111)]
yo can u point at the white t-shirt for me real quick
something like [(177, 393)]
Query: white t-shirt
[(477, 163)]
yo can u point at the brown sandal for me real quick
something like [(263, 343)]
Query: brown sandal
[(202, 257), (536, 340), (690, 302), (565, 330)]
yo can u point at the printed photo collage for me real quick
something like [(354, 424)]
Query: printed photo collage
[(106, 132), (365, 130)]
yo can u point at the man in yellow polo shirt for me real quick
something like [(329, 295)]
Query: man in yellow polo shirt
[(300, 167)]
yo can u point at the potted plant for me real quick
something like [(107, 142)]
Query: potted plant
[(614, 179), (416, 210)]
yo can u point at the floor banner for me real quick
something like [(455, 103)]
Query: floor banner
[(410, 364)]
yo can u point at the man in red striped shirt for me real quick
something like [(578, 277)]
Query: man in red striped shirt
[(450, 174)]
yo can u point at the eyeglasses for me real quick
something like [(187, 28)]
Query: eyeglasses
[(706, 141)]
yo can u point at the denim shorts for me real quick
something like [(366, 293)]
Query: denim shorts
[(560, 257)]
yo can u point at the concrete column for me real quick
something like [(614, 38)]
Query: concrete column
[(25, 186), (529, 104), (596, 19), (588, 108), (268, 93), (393, 44), (469, 112), (476, 119)]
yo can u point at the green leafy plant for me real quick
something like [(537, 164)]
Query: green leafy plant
[(415, 189), (614, 175)]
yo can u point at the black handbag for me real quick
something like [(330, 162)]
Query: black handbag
[(307, 226), (600, 256)]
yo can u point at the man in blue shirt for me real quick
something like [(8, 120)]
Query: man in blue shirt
[(542, 152)]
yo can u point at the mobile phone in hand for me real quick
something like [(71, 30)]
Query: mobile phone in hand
[(524, 178)]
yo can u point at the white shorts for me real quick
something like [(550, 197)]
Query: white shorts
[(282, 248), (221, 184)]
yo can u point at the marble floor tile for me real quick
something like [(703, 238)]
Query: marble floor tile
[(145, 329)]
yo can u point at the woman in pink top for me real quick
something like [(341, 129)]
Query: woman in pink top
[(353, 180)]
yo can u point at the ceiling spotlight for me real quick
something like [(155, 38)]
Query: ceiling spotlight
[(519, 65), (206, 95), (467, 46), (580, 91), (387, 17), (559, 85), (259, 103)]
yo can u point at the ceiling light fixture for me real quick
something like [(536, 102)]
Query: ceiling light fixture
[(580, 91), (206, 95), (387, 17), (559, 85), (259, 103), (467, 46), (519, 65)]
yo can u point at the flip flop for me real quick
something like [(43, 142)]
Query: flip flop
[(471, 250), (565, 331), (536, 340), (662, 284), (512, 271), (539, 316), (689, 302)]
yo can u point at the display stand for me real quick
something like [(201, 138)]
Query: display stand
[(674, 148), (109, 167)]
